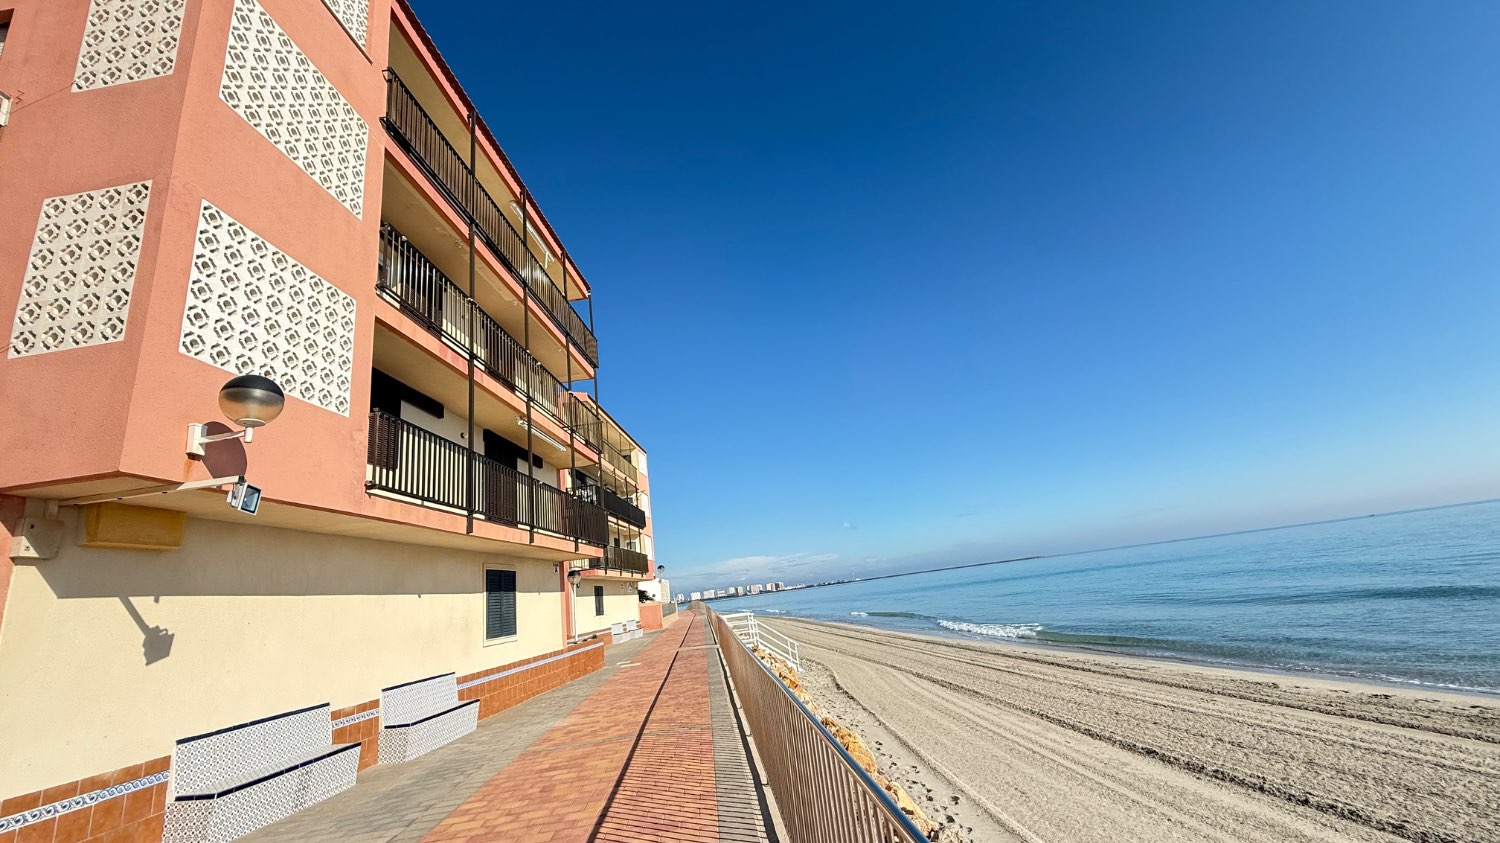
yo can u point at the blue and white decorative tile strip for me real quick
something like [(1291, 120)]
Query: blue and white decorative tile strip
[(492, 677), (355, 718), (57, 809)]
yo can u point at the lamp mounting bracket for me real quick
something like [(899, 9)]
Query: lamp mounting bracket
[(146, 491)]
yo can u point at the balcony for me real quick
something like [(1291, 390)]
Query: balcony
[(620, 463), (440, 306), (414, 463), (411, 127), (614, 504), (622, 560)]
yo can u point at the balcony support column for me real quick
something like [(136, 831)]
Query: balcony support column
[(597, 406), (526, 339), (572, 454), (469, 478)]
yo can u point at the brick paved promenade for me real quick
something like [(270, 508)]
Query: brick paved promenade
[(646, 749)]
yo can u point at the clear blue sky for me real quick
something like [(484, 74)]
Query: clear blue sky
[(883, 285)]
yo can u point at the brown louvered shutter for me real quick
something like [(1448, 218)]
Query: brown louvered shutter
[(499, 603)]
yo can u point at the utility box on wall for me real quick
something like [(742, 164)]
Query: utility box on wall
[(126, 527)]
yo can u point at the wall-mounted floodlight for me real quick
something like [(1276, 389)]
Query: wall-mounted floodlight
[(249, 401), (244, 497)]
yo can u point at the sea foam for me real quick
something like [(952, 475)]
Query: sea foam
[(994, 630)]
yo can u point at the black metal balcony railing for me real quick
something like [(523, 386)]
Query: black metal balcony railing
[(623, 560), (613, 504), (621, 463), (586, 520), (622, 508), (442, 307), (585, 422), (415, 130), (416, 463)]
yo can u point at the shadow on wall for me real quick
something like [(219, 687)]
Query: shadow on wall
[(227, 458), (222, 558), (156, 642)]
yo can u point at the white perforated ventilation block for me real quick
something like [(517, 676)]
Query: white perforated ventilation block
[(271, 83), (354, 15), (128, 41), (76, 291), (253, 310)]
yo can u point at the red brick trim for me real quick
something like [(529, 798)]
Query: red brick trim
[(366, 732), (502, 693), (135, 816)]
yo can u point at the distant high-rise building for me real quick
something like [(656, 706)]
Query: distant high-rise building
[(697, 595), (755, 588)]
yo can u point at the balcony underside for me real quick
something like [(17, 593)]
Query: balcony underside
[(497, 217), (382, 520), (441, 237)]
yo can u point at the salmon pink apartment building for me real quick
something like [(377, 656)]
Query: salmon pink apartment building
[(296, 479)]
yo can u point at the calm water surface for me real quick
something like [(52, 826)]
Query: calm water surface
[(1411, 597)]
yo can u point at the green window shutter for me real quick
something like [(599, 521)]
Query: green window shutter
[(499, 603), (599, 600)]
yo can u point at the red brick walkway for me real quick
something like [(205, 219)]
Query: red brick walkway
[(641, 741)]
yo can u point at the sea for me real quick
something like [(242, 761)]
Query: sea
[(1410, 598)]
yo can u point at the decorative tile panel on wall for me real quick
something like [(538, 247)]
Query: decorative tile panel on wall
[(76, 291), (127, 41), (275, 87), (354, 15), (253, 310)]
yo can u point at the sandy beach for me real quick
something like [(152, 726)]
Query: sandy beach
[(1036, 744)]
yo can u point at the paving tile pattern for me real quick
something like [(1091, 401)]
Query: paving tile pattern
[(647, 749), (401, 803), (743, 814), (672, 755), (562, 787)]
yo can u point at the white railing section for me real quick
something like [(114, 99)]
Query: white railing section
[(754, 634)]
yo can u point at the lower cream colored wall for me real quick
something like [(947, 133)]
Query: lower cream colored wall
[(620, 604), (109, 656)]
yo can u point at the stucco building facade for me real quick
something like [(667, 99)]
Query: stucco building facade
[(193, 190)]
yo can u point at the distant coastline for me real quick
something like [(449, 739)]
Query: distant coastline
[(1157, 543)]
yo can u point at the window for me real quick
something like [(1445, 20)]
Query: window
[(499, 603), (598, 600), (4, 27)]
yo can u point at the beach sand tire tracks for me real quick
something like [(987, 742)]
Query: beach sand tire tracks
[(1081, 748)]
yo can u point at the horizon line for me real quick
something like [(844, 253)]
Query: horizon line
[(1245, 532)]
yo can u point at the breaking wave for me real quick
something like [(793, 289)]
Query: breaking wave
[(994, 630)]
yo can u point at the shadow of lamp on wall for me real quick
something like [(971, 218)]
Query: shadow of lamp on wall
[(156, 642)]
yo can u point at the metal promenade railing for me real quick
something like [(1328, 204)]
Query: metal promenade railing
[(822, 794), (415, 130), (756, 634), (415, 463)]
